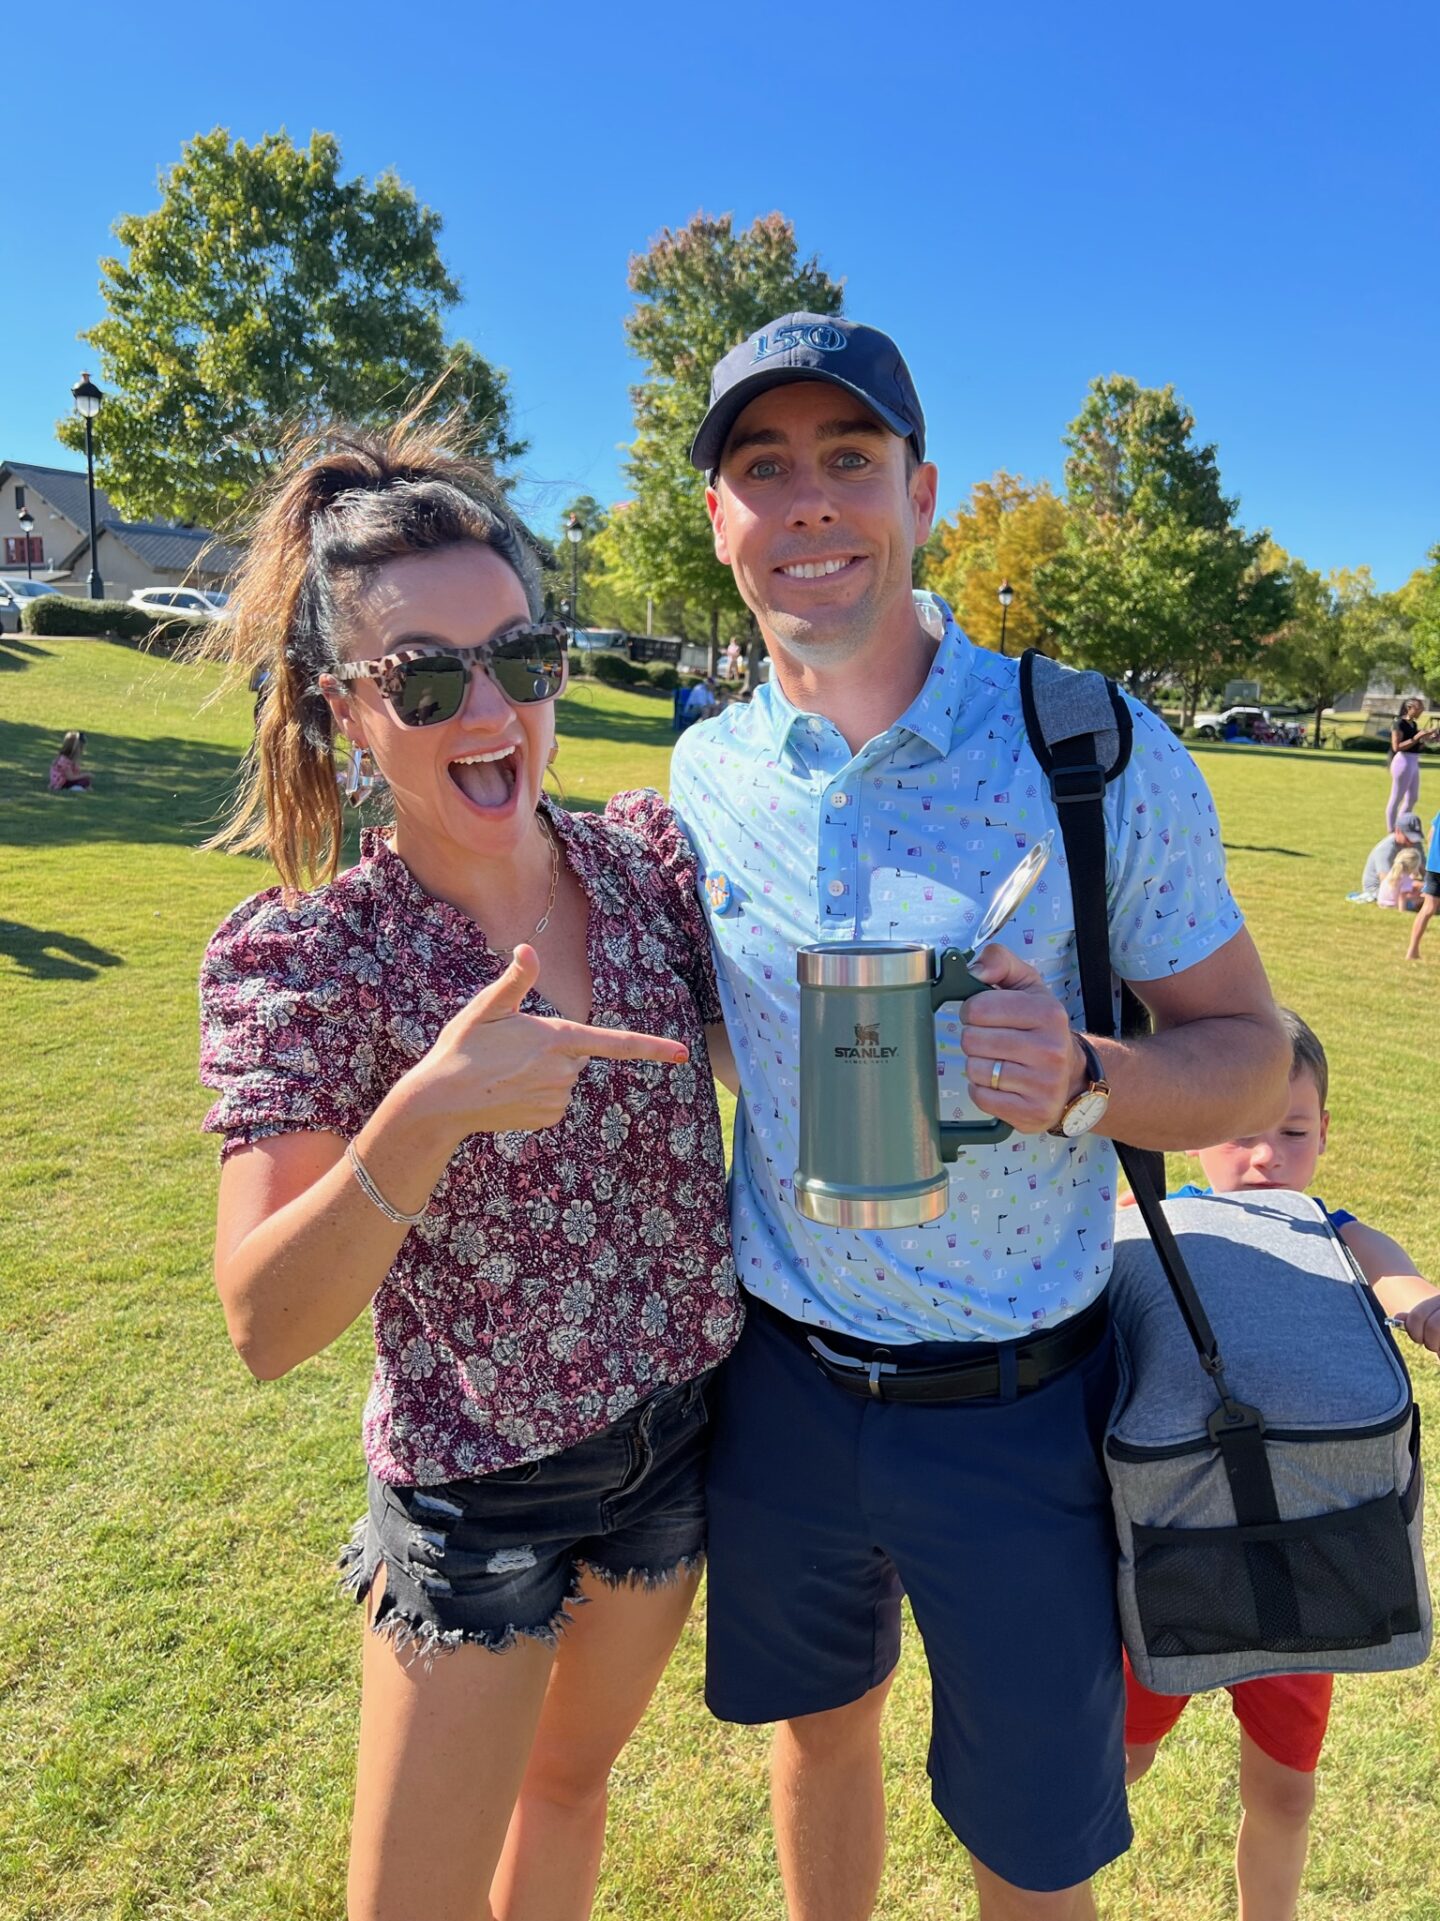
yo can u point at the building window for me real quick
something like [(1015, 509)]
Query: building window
[(15, 550)]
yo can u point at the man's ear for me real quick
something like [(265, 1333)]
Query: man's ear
[(715, 508), (924, 493)]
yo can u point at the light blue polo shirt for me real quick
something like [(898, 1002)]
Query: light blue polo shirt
[(799, 841)]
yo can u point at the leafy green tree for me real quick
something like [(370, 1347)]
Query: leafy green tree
[(265, 291), (1420, 601), (1156, 581), (1340, 632), (701, 288), (1008, 531)]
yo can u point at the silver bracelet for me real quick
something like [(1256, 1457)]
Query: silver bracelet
[(372, 1192)]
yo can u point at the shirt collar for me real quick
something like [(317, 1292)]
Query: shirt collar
[(929, 717)]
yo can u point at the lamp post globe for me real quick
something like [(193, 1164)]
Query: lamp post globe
[(1005, 596), (87, 397), (574, 534), (27, 524)]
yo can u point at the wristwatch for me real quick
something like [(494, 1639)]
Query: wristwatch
[(1087, 1108)]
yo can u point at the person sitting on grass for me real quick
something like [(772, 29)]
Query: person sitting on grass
[(1283, 1717), (1430, 892), (702, 701), (1403, 886), (66, 775), (1409, 832)]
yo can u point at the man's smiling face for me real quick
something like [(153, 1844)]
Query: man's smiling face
[(818, 510)]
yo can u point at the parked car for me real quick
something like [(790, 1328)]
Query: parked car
[(1267, 726), (175, 600), (217, 600), (13, 596), (600, 640)]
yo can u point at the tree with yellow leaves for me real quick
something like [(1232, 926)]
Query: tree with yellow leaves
[(1008, 531)]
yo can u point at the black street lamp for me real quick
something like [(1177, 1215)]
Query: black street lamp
[(87, 404), (27, 524), (1005, 596), (573, 535)]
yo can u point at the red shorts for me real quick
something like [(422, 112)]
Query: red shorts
[(1285, 1715)]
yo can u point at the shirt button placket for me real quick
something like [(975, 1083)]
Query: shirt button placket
[(839, 863)]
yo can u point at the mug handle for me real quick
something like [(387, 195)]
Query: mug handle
[(955, 982)]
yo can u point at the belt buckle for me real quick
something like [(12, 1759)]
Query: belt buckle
[(852, 1364)]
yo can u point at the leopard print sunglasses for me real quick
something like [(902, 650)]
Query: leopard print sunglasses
[(427, 684)]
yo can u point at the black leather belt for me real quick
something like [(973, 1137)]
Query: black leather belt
[(903, 1374)]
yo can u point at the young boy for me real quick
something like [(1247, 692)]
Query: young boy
[(1282, 1719)]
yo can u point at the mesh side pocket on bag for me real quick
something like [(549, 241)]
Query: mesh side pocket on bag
[(1343, 1580)]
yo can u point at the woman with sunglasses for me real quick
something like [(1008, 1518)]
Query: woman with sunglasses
[(465, 1082)]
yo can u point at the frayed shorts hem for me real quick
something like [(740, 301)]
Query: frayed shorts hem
[(414, 1635), (503, 1557)]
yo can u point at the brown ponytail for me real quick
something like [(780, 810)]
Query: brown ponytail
[(342, 504)]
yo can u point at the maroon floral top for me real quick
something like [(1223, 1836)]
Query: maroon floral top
[(559, 1276)]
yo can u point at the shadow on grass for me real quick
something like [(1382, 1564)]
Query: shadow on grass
[(162, 791), (1243, 847), (50, 955), (16, 653), (1329, 756), (579, 719)]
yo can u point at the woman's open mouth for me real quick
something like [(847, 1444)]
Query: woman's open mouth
[(487, 780)]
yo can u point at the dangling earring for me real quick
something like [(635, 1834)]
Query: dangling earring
[(359, 780)]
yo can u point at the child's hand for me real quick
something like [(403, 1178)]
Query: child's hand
[(1422, 1323)]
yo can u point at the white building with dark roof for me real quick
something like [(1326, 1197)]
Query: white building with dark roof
[(130, 553)]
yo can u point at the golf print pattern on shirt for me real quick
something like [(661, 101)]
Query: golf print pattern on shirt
[(908, 840)]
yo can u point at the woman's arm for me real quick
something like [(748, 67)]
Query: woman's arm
[(300, 1249), (1414, 743), (1396, 1282)]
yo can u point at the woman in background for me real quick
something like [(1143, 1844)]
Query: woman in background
[(1406, 740)]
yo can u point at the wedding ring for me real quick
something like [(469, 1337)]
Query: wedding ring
[(996, 1070)]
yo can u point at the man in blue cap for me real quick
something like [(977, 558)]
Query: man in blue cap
[(871, 791)]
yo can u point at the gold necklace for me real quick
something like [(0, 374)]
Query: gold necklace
[(544, 920)]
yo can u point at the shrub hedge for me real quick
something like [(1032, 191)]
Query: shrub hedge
[(663, 676), (1364, 744), (615, 670), (67, 614)]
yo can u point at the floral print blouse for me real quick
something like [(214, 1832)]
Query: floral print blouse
[(559, 1276)]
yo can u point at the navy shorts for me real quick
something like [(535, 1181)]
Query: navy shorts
[(1432, 883), (994, 1517), (488, 1559)]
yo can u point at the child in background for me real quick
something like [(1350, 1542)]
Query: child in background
[(66, 776), (1283, 1718), (1404, 885)]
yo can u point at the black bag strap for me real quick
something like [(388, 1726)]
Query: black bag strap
[(1078, 772)]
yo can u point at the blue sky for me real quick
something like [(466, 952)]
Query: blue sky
[(1238, 199)]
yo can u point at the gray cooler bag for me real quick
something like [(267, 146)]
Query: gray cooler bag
[(1263, 1453)]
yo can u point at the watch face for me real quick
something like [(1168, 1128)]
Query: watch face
[(1083, 1113)]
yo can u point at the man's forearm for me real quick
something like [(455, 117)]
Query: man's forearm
[(1189, 1086)]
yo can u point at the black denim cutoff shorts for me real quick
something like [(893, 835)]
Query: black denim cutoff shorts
[(482, 1561)]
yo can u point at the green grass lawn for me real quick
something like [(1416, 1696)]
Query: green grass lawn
[(179, 1686)]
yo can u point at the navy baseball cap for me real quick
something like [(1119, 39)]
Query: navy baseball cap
[(810, 346)]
